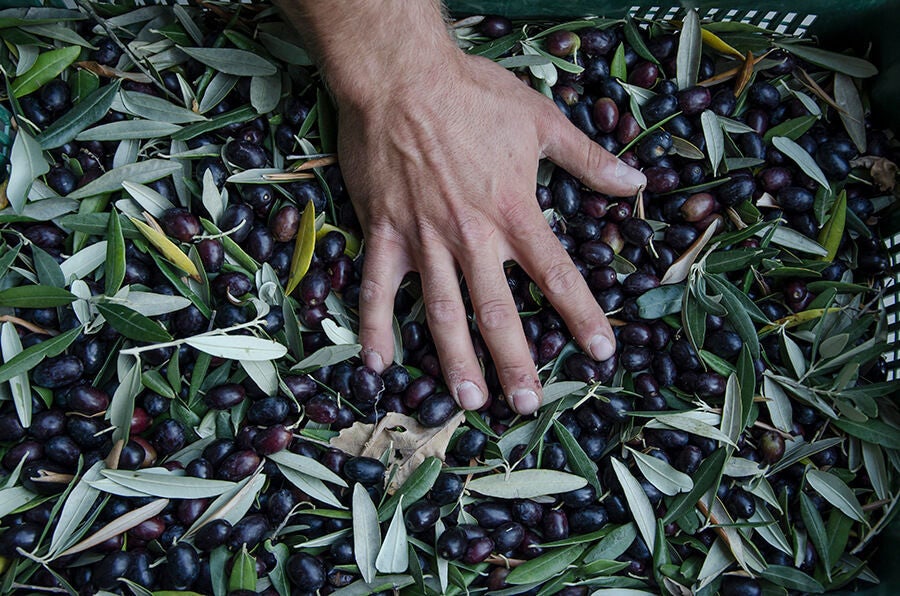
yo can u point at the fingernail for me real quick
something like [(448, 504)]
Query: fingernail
[(469, 395), (629, 175), (373, 360), (525, 401), (601, 348)]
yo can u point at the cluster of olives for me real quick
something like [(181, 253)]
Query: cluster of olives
[(601, 234)]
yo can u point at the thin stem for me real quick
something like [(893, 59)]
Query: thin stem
[(178, 342)]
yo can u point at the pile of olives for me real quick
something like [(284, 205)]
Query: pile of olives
[(624, 249)]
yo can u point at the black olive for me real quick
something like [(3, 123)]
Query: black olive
[(238, 465), (735, 191), (794, 199), (367, 471), (246, 155), (421, 515), (740, 503), (109, 569), (737, 585), (223, 397), (306, 572), (182, 566), (726, 344), (588, 519), (268, 411), (168, 437), (452, 543), (250, 531), (446, 488), (491, 515), (659, 108), (437, 409), (57, 372)]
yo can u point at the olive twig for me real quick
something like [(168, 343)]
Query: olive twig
[(134, 351)]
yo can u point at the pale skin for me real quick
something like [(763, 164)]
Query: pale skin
[(439, 151)]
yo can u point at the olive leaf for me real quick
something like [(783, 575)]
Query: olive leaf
[(715, 139), (233, 504), (661, 301), (366, 533), (31, 356), (138, 172), (303, 248), (617, 67), (393, 556), (661, 474), (679, 270), (731, 410), (327, 356), (799, 156), (526, 484), (35, 297), (237, 347), (310, 485), (613, 545), (265, 92), (156, 109), (121, 405), (687, 59), (232, 61), (128, 129), (792, 579), (815, 528), (414, 488), (842, 63), (45, 68), (131, 324), (836, 492), (243, 572), (832, 232), (308, 466), (77, 506), (638, 502), (545, 566), (578, 460), (27, 163), (114, 271), (19, 386), (83, 262), (118, 526), (217, 90), (707, 477), (88, 111)]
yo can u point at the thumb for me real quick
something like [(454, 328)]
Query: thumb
[(596, 167)]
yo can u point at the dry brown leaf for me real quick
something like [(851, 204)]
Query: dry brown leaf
[(745, 74), (729, 74), (113, 73), (808, 82), (408, 441), (882, 170), (678, 271), (319, 162)]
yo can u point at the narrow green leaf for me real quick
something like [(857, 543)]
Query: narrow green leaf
[(85, 113), (661, 474), (617, 67), (46, 68), (832, 233), (792, 129), (114, 273), (131, 324), (638, 502), (526, 484), (232, 61), (546, 566), (707, 476), (815, 528), (792, 579), (846, 96), (33, 355), (636, 41), (366, 533), (243, 573), (19, 385), (715, 139), (799, 156), (27, 163), (416, 486), (613, 545), (578, 459), (140, 172), (393, 557), (836, 492), (849, 65), (690, 42), (35, 297)]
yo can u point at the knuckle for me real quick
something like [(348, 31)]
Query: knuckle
[(495, 314), (560, 279), (472, 231), (371, 291), (443, 311)]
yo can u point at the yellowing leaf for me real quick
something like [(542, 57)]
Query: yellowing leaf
[(303, 249), (715, 42), (352, 241), (168, 248), (833, 231), (798, 319)]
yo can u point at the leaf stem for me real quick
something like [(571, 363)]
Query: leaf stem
[(178, 342)]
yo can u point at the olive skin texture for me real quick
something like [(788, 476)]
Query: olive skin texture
[(437, 410), (225, 396), (111, 567), (306, 572), (57, 372), (246, 155), (451, 545), (421, 515), (367, 471), (182, 566), (446, 489), (213, 534), (250, 531)]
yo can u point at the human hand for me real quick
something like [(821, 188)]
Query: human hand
[(442, 171)]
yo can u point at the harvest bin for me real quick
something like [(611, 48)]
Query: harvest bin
[(870, 27)]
